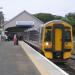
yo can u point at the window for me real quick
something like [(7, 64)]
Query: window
[(67, 35), (48, 35)]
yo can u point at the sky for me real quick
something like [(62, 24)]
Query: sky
[(12, 8)]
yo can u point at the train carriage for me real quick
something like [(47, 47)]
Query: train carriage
[(54, 39)]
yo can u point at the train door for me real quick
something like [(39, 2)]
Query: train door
[(58, 37), (58, 41)]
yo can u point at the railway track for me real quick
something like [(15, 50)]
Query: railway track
[(73, 57), (69, 66)]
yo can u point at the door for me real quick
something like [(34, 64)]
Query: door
[(58, 39)]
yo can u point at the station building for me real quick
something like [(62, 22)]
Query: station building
[(21, 22)]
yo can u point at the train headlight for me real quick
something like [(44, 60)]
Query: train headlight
[(47, 43)]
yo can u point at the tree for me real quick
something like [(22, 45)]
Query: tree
[(1, 18), (45, 17), (70, 18)]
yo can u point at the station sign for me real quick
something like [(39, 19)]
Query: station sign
[(24, 23)]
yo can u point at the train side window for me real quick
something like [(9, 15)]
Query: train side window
[(67, 35), (48, 35)]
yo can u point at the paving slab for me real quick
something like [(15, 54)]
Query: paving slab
[(14, 61)]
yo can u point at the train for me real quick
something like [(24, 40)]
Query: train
[(53, 39)]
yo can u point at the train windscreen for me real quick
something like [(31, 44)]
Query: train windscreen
[(48, 35), (67, 35)]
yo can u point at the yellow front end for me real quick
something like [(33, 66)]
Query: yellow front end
[(68, 46), (48, 55), (56, 42), (46, 47)]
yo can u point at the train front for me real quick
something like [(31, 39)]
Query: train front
[(57, 41)]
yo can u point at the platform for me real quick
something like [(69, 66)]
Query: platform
[(14, 61), (24, 60), (45, 66)]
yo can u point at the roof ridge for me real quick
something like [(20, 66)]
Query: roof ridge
[(20, 14)]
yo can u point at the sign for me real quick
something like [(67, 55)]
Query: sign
[(24, 23)]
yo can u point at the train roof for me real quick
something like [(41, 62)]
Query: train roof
[(58, 22)]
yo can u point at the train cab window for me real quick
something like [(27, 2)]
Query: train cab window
[(48, 35), (67, 35)]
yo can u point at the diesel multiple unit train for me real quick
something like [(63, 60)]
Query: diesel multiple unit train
[(54, 39)]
